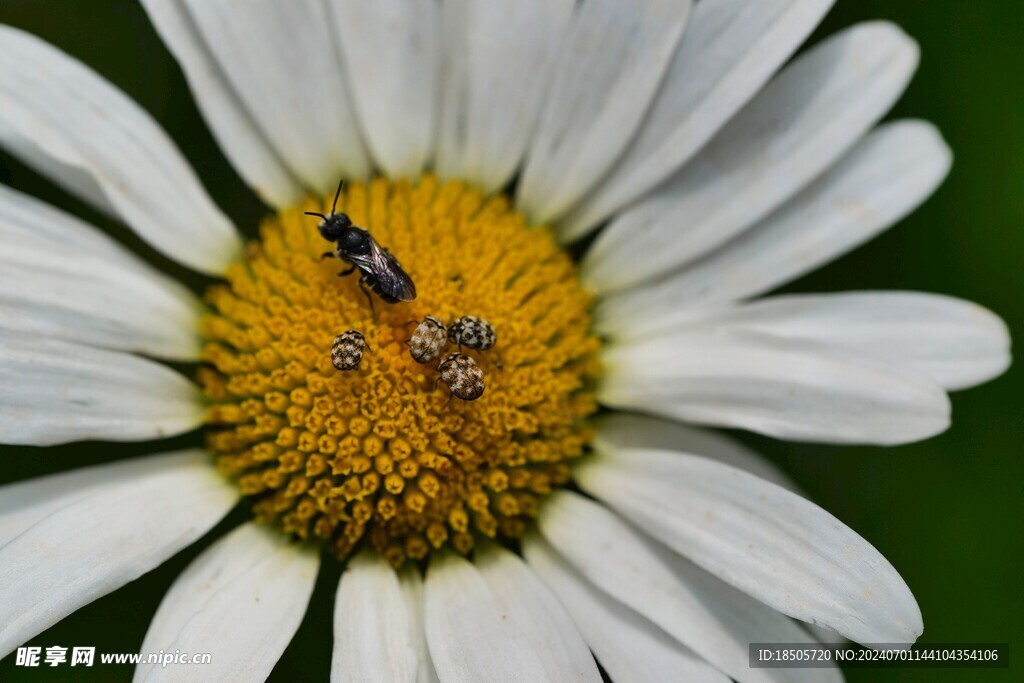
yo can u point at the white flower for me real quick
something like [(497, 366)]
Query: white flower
[(713, 180)]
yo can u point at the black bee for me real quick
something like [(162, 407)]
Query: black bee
[(381, 271)]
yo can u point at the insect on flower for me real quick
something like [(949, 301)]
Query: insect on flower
[(347, 350), (381, 271), (428, 340), (472, 332), (463, 376)]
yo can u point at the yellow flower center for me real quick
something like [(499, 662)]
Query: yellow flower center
[(384, 455)]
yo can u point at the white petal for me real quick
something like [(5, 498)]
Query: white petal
[(66, 110), (795, 129), (241, 600), (412, 588), (78, 545), (715, 621), (824, 635), (628, 431), (392, 49), (282, 60), (630, 648), (73, 178), (955, 343), (58, 282), (762, 622), (225, 112), (888, 173), (27, 220), (790, 390), (469, 633), (538, 614), (498, 58), (608, 71), (768, 542), (59, 294), (24, 503), (728, 52), (624, 431), (373, 625), (54, 392)]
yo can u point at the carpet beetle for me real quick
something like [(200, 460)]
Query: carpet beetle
[(347, 350), (472, 332), (428, 340), (463, 376)]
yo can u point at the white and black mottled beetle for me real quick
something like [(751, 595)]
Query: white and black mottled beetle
[(347, 350), (463, 376), (472, 332), (428, 340)]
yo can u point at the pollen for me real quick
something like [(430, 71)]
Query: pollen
[(385, 456)]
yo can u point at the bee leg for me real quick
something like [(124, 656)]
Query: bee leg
[(328, 254), (366, 290), (347, 271)]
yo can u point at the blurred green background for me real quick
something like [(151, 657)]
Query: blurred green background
[(946, 512)]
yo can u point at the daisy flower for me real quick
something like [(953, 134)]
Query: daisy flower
[(615, 187)]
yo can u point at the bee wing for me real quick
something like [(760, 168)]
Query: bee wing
[(391, 278), (364, 262)]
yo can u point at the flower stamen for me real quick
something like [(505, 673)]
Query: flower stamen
[(381, 455)]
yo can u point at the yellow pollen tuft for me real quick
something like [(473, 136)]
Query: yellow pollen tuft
[(384, 455)]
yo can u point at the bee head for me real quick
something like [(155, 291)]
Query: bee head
[(333, 227)]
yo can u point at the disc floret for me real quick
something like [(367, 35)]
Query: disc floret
[(382, 456)]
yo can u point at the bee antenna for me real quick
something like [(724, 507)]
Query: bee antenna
[(314, 213), (337, 194)]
